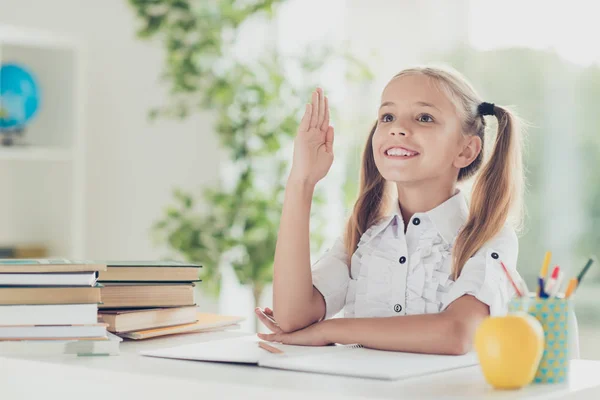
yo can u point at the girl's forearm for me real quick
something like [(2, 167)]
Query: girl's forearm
[(428, 333), (296, 304)]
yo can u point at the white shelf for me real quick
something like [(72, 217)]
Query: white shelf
[(35, 153), (43, 180)]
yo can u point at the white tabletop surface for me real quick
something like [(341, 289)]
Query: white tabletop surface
[(131, 374)]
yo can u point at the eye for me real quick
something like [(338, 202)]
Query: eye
[(387, 118), (425, 118)]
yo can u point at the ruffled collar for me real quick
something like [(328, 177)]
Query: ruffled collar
[(450, 216), (447, 218)]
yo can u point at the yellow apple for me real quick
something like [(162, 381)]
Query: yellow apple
[(509, 349)]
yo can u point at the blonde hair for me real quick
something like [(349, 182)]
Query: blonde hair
[(498, 188)]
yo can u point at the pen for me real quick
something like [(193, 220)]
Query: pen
[(543, 273), (552, 281), (557, 283), (542, 294)]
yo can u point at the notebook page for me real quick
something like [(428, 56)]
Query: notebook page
[(367, 363), (233, 350)]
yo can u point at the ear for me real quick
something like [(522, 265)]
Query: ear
[(471, 147)]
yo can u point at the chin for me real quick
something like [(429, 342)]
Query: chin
[(401, 177)]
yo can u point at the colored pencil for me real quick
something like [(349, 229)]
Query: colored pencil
[(571, 287), (543, 273), (511, 280)]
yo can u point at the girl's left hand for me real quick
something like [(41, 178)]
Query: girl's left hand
[(266, 317), (312, 335)]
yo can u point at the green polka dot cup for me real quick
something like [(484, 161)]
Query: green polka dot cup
[(553, 314)]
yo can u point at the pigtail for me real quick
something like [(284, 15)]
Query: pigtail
[(496, 193), (369, 206)]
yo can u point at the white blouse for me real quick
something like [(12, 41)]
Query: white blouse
[(393, 273)]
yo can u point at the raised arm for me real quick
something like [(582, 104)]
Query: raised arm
[(296, 303)]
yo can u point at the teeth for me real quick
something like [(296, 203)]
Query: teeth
[(399, 152)]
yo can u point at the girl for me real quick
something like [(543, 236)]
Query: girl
[(420, 272)]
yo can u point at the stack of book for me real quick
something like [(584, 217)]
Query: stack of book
[(50, 306), (144, 299)]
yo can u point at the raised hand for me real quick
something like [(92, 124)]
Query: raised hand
[(313, 145)]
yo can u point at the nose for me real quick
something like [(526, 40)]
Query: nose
[(400, 127)]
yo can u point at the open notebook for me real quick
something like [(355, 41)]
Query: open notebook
[(336, 360)]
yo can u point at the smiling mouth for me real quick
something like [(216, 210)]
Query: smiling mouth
[(400, 153)]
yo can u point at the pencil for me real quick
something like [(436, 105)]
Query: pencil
[(544, 272), (511, 280), (584, 270), (270, 348), (523, 285), (571, 287), (575, 282)]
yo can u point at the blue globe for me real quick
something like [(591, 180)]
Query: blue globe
[(19, 96)]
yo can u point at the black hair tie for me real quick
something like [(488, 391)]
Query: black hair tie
[(486, 109)]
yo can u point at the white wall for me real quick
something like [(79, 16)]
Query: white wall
[(391, 35), (132, 164)]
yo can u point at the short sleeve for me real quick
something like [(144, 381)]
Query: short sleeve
[(331, 277), (483, 277)]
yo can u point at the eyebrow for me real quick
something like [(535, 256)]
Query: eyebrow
[(419, 103)]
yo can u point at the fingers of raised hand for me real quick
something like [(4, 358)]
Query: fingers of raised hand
[(321, 108), (305, 122), (325, 124), (329, 140), (314, 118)]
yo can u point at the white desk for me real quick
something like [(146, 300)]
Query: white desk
[(130, 375)]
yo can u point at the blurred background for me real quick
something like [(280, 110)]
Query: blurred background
[(146, 129)]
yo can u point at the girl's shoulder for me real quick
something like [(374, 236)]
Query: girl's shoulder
[(504, 246), (506, 237)]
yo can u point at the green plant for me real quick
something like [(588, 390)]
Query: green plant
[(256, 106)]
